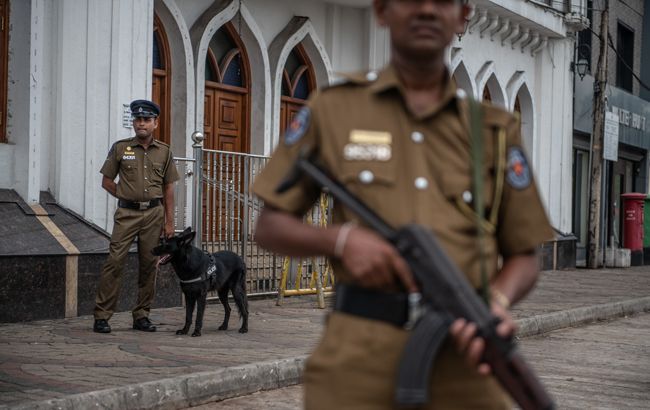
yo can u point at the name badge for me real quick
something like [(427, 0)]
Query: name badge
[(370, 137), (367, 152), (128, 157)]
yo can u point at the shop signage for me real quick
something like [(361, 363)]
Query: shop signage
[(610, 145)]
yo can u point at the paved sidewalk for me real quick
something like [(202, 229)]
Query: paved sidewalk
[(56, 358)]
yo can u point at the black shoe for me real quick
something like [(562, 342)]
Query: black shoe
[(101, 326), (144, 324)]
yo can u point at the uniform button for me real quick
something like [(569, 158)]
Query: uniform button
[(467, 197), (366, 176), (460, 93), (371, 76), (145, 177), (146, 190), (417, 137), (421, 183), (145, 167)]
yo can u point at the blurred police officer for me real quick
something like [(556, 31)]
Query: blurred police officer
[(145, 210), (399, 139)]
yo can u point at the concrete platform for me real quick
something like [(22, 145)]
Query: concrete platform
[(63, 364)]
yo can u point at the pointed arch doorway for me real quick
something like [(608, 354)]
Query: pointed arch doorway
[(226, 125), (298, 81), (227, 93), (161, 80)]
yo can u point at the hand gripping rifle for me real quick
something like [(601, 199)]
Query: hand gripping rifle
[(447, 295)]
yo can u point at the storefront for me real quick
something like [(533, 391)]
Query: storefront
[(628, 174)]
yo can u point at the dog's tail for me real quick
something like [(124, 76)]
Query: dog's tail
[(241, 300)]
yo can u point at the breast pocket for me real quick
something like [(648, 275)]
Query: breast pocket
[(374, 182), (457, 188), (158, 173), (128, 168)]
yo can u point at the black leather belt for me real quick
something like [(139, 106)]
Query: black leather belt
[(140, 206), (371, 304)]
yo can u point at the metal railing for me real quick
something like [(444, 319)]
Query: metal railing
[(218, 190), (230, 211)]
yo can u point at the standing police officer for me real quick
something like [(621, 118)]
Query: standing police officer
[(399, 139), (145, 192)]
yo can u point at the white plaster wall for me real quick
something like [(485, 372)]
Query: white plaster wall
[(103, 60), (17, 151), (549, 83), (102, 63)]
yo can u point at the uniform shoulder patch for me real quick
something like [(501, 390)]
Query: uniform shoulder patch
[(518, 172), (298, 126)]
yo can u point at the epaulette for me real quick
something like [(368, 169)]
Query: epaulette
[(349, 79), (124, 140), (496, 116), (164, 144)]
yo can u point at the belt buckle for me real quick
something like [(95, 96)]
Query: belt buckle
[(143, 206), (416, 310)]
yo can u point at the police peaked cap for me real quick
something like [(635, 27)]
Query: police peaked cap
[(144, 108)]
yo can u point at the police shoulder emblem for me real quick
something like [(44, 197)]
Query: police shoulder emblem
[(518, 172), (297, 127)]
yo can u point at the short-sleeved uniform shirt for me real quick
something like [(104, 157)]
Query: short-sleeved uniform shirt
[(413, 169), (142, 172)]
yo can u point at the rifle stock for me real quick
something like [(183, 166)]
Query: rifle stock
[(446, 289)]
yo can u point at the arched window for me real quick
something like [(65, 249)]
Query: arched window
[(486, 94), (227, 88), (161, 87), (298, 81)]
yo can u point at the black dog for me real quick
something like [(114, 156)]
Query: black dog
[(200, 272)]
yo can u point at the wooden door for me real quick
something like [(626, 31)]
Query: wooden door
[(288, 110), (224, 129), (224, 121)]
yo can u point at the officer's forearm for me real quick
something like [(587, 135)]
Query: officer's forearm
[(110, 186), (517, 277), (168, 201), (284, 233)]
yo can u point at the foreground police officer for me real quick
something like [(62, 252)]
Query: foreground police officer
[(145, 204), (399, 139)]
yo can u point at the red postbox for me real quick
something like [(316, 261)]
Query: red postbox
[(633, 225)]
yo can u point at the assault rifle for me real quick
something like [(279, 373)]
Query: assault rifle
[(446, 294)]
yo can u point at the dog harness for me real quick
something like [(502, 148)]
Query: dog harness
[(208, 273)]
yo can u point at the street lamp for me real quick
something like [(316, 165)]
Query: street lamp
[(581, 67), (582, 54)]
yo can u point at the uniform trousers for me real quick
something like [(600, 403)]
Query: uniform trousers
[(129, 223), (355, 367)]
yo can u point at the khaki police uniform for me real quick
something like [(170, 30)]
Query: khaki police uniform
[(409, 169), (143, 173)]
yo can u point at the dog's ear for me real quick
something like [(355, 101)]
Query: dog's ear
[(188, 238), (187, 231)]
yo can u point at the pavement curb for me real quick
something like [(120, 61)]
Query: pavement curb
[(184, 391), (548, 322), (199, 388)]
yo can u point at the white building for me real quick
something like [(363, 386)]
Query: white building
[(236, 69)]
